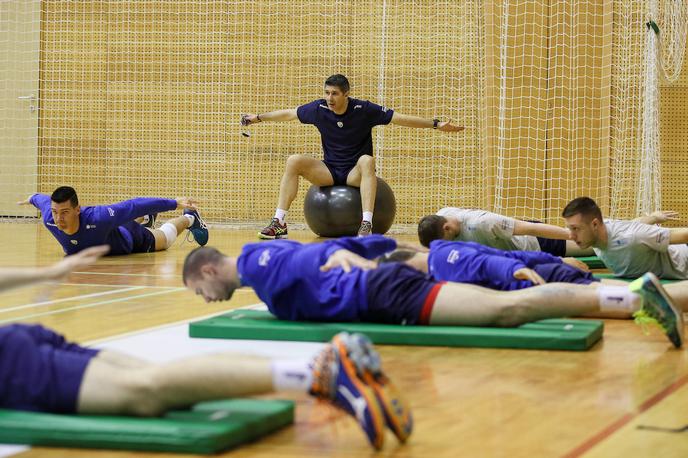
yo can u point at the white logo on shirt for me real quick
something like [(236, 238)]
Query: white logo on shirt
[(384, 109), (356, 107), (111, 211), (323, 106), (264, 258), (340, 124), (90, 226), (453, 256), (51, 224), (74, 242)]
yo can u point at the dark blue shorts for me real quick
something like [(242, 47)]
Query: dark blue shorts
[(552, 246), (553, 273), (39, 370), (399, 294), (339, 174), (143, 238)]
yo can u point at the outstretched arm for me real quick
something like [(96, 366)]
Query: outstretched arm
[(414, 121), (678, 235), (658, 217), (541, 230), (14, 277), (278, 115), (128, 210)]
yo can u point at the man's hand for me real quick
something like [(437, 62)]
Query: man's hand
[(186, 202), (75, 262), (529, 274), (346, 260), (447, 126), (26, 201), (663, 216), (248, 119), (577, 263)]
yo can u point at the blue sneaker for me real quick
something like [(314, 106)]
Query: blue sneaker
[(658, 308), (397, 412), (198, 229), (335, 379)]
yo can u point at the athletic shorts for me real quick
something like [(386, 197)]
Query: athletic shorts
[(39, 370), (552, 246), (553, 273), (143, 238), (399, 294), (339, 174)]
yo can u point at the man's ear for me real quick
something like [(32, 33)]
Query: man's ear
[(208, 270)]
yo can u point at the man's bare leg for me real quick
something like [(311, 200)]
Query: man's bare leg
[(363, 175), (165, 237), (301, 165)]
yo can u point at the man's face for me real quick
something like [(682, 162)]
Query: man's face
[(212, 286), (66, 217), (336, 99), (583, 232)]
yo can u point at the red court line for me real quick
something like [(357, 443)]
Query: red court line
[(618, 424)]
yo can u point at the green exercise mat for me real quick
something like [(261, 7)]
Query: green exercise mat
[(557, 334), (209, 427), (611, 276), (593, 262)]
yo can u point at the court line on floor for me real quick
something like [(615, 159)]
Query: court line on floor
[(122, 274), (71, 298), (114, 285), (625, 419), (95, 304)]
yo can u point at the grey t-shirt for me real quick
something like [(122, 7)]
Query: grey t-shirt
[(634, 248), (490, 229)]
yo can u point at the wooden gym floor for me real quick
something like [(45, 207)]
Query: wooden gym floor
[(466, 402)]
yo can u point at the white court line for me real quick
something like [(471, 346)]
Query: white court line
[(78, 307), (71, 298), (128, 275), (112, 285)]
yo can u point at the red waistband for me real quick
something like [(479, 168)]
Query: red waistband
[(429, 303)]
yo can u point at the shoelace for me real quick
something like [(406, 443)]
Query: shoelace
[(645, 321), (189, 236)]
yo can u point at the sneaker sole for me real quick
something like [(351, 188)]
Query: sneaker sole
[(373, 406), (678, 314), (271, 237)]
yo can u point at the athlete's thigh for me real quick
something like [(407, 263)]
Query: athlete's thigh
[(315, 171), (107, 388), (354, 176), (466, 305)]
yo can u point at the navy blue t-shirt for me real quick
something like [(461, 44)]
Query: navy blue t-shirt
[(348, 136)]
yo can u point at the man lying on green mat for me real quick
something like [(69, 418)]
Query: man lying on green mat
[(337, 281), (629, 248), (40, 371)]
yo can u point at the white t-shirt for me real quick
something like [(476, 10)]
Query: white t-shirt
[(634, 248), (490, 229)]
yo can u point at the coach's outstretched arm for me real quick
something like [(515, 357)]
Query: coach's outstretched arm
[(277, 115), (414, 121)]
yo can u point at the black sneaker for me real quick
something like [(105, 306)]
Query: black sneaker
[(274, 230), (149, 220)]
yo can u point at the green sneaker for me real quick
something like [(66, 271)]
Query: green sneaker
[(658, 308)]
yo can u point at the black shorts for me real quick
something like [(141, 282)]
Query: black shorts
[(399, 294), (564, 273), (552, 246), (339, 174), (143, 238)]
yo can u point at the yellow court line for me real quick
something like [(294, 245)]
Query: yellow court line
[(71, 298), (95, 304)]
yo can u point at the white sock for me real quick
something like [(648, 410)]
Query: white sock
[(292, 375), (281, 215), (368, 216), (191, 218), (618, 298), (170, 231)]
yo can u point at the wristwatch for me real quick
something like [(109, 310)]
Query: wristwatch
[(435, 122)]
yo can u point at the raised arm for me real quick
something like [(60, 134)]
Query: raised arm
[(15, 277), (678, 235), (414, 121), (270, 116), (658, 217), (541, 230)]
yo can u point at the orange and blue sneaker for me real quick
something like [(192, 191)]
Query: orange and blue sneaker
[(274, 231), (198, 229), (658, 308), (397, 412), (336, 379)]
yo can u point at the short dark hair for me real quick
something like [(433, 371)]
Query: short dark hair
[(397, 256), (199, 257), (584, 206), (431, 227), (339, 81), (64, 194)]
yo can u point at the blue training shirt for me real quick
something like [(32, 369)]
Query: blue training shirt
[(100, 225), (470, 262), (348, 136), (286, 276)]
